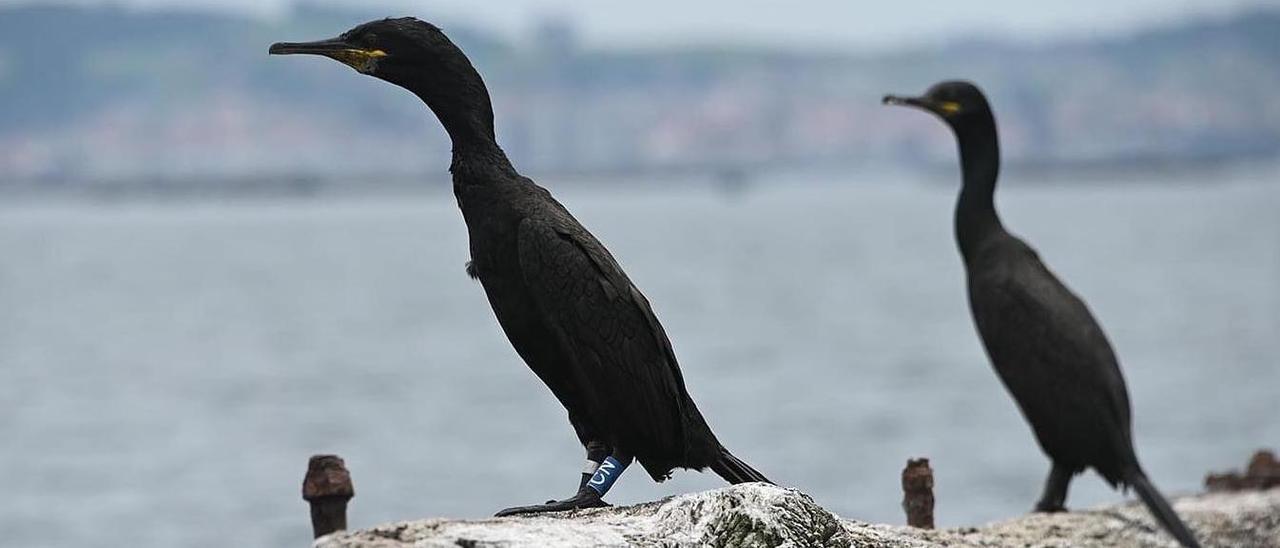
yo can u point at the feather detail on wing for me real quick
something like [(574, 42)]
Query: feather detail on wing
[(1056, 361), (614, 340)]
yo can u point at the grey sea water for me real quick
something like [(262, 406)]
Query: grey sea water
[(167, 368)]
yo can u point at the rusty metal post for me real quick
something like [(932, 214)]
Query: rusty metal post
[(1263, 472), (327, 487), (917, 493)]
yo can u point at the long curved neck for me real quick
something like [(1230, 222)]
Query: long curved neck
[(460, 101), (466, 115), (976, 217)]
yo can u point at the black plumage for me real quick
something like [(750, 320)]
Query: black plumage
[(564, 302), (1041, 338)]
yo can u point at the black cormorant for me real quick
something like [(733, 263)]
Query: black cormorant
[(1045, 345), (564, 302)]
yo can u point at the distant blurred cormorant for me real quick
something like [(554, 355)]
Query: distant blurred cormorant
[(563, 301), (1045, 345)]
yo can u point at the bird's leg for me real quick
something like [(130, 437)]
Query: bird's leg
[(597, 478), (1055, 490), (597, 451), (608, 472)]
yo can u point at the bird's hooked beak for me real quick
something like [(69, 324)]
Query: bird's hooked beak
[(362, 59), (941, 108)]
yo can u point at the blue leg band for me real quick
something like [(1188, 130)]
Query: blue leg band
[(606, 474)]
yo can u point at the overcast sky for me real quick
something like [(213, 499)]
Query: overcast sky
[(839, 23)]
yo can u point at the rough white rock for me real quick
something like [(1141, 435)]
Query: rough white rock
[(762, 515)]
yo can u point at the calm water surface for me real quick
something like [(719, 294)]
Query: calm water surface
[(168, 368)]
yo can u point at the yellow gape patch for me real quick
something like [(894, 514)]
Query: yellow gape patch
[(949, 107), (359, 59)]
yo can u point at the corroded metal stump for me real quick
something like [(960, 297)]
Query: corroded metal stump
[(327, 487), (1262, 473), (917, 493)]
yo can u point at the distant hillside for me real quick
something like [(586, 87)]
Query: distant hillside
[(105, 94)]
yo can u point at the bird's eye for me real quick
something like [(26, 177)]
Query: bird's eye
[(370, 39)]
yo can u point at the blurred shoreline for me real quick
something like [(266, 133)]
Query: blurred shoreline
[(727, 180), (155, 99)]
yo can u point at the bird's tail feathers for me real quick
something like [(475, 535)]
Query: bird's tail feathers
[(1160, 508), (734, 470)]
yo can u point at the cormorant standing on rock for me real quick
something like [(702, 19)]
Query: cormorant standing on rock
[(565, 304), (1048, 350)]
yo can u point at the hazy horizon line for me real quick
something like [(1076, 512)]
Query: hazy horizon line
[(527, 25)]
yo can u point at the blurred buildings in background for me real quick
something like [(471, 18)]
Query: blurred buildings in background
[(109, 96)]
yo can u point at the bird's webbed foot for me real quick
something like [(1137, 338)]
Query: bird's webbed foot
[(1054, 498), (586, 498), (1049, 507)]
